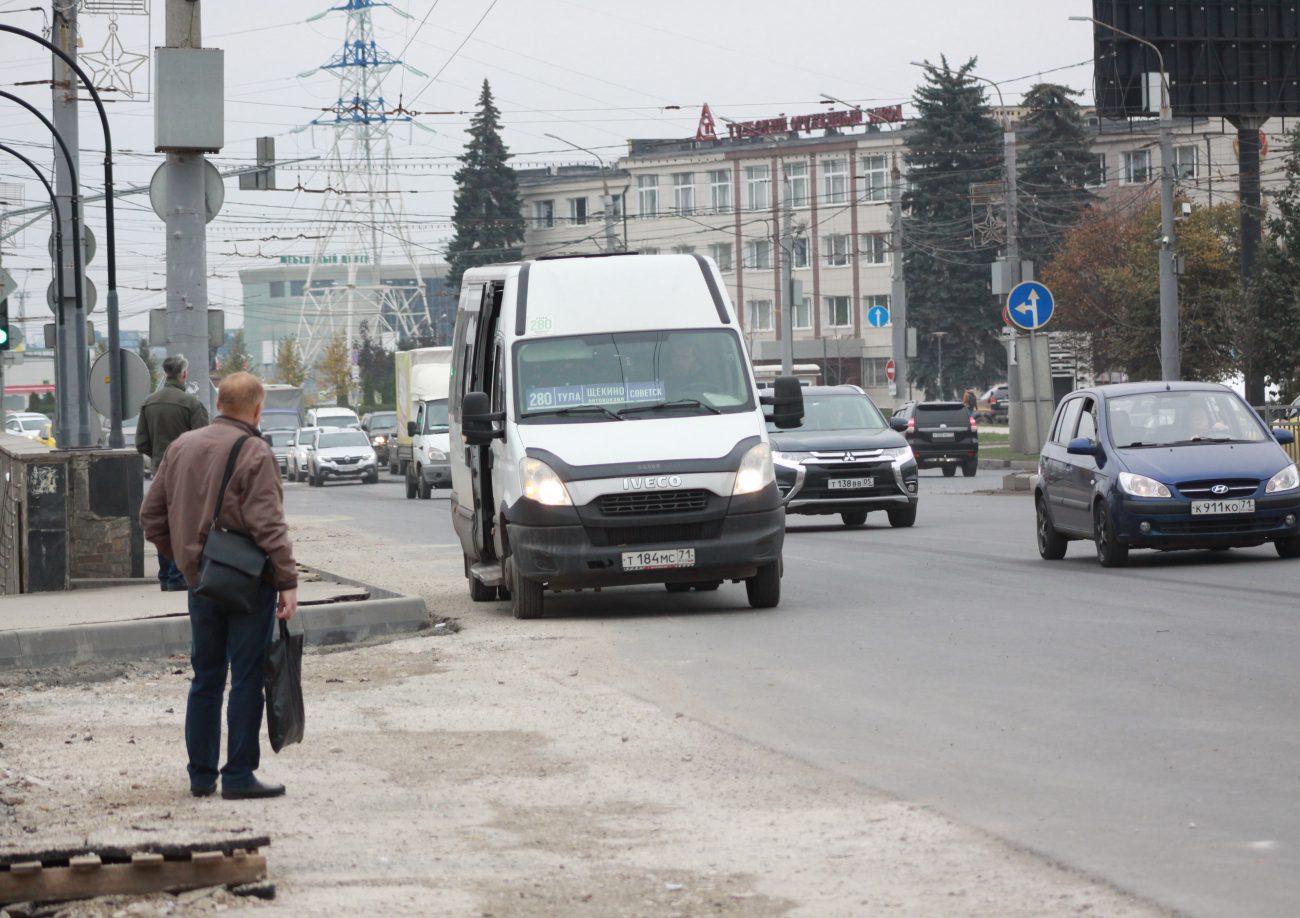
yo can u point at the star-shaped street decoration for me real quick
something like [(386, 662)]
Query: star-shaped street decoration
[(990, 230), (112, 66)]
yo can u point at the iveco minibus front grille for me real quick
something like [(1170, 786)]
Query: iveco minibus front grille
[(645, 503)]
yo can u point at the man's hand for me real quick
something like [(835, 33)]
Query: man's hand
[(288, 604)]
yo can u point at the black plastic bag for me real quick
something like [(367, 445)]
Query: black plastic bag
[(285, 716)]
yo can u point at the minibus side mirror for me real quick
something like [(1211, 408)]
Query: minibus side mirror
[(786, 401), (477, 420), (267, 438), (410, 428)]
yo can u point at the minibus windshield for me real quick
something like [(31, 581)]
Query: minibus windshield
[(631, 376)]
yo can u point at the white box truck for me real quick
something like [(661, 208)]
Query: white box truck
[(423, 376), (609, 432)]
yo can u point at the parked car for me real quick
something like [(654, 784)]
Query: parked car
[(1164, 466), (845, 459), (332, 416), (994, 405), (342, 454), (941, 434), (296, 456), (281, 442), (25, 424), (381, 428)]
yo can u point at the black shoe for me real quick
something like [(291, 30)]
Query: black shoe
[(203, 791), (253, 791)]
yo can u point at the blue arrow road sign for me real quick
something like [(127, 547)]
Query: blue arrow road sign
[(1030, 305), (877, 316)]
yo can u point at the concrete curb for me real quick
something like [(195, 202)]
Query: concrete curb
[(324, 624)]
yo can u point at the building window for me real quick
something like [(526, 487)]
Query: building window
[(1135, 167), (683, 250), (837, 251), (802, 317), (1096, 174), (839, 311), (874, 371), (578, 211), (758, 254), (800, 259), (758, 182), (721, 253), (720, 191), (277, 290), (835, 181), (544, 213), (648, 250), (875, 249), (875, 178), (871, 302), (684, 192), (647, 195), (798, 173), (617, 201), (297, 288), (760, 315), (1187, 162)]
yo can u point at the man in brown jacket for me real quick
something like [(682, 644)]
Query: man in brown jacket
[(176, 516)]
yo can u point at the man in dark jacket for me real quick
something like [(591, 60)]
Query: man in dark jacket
[(164, 416), (176, 516)]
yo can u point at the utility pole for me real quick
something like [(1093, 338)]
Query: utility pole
[(186, 220), (1248, 155), (787, 275), (898, 287), (74, 378), (1170, 358), (607, 199)]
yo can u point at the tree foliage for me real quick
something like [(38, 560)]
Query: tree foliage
[(1273, 321), (238, 360), (289, 368), (955, 142), (1055, 165), (150, 362), (376, 369), (334, 369), (488, 216), (1106, 280)]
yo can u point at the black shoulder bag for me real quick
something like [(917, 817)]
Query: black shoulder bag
[(231, 566)]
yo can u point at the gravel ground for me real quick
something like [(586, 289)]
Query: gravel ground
[(493, 772)]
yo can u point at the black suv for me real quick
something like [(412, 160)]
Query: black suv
[(844, 459), (381, 428), (941, 434)]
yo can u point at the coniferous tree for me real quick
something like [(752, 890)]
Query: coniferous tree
[(1055, 166), (238, 360), (488, 215), (150, 363), (1269, 318), (954, 144), (375, 367), (334, 369), (289, 368)]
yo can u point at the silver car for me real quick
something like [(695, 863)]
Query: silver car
[(296, 455), (344, 454)]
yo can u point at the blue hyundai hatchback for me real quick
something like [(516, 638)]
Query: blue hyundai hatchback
[(1165, 466)]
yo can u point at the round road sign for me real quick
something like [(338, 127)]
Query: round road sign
[(891, 370), (135, 383), (87, 247), (1030, 305), (163, 195), (91, 294)]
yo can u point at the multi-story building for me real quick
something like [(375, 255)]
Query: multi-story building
[(724, 198), (274, 300)]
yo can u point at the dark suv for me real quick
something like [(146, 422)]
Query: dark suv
[(844, 459), (994, 405), (381, 428), (941, 434)]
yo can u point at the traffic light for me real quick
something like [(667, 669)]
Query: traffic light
[(4, 324)]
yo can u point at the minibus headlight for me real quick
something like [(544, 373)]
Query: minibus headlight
[(755, 472), (543, 485)]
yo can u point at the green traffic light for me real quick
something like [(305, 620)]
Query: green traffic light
[(4, 336)]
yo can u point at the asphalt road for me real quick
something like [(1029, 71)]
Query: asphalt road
[(1137, 724)]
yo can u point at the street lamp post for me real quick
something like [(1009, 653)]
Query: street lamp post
[(607, 200), (939, 336), (1170, 356), (115, 439), (81, 369)]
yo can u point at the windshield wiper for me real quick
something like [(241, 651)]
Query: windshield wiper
[(576, 409), (675, 403)]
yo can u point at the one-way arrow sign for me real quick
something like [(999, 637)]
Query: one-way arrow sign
[(1030, 305)]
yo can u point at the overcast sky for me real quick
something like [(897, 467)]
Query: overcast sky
[(595, 73)]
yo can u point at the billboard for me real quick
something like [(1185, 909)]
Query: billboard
[(1223, 57)]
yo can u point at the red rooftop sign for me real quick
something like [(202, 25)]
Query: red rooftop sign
[(738, 130)]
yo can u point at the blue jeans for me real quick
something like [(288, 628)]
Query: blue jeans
[(238, 641), (168, 573)]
